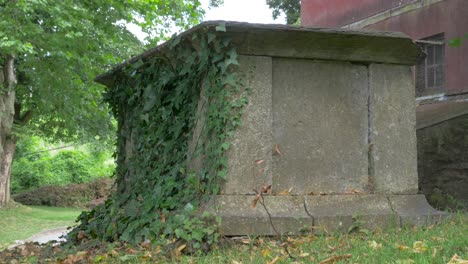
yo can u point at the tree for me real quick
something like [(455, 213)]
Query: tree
[(50, 51), (292, 9)]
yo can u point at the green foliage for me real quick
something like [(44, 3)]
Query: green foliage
[(159, 191), (457, 42), (291, 8), (61, 45), (32, 168)]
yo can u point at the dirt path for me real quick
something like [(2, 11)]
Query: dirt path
[(44, 236)]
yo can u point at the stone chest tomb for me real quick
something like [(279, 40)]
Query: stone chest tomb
[(329, 124)]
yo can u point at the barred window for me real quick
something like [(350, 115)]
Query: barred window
[(430, 73)]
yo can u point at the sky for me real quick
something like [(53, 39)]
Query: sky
[(253, 11)]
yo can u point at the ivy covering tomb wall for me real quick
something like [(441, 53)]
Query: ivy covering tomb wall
[(157, 104)]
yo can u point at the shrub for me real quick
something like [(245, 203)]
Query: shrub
[(71, 195), (33, 169)]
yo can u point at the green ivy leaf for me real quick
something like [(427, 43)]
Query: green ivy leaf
[(456, 42)]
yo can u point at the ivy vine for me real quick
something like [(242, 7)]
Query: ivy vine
[(190, 94)]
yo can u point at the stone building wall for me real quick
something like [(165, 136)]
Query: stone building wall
[(443, 163)]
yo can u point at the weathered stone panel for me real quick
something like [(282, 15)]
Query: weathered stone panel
[(340, 212), (392, 134), (320, 126), (253, 139)]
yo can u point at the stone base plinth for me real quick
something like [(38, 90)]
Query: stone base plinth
[(317, 214)]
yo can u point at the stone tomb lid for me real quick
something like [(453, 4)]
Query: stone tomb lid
[(299, 42)]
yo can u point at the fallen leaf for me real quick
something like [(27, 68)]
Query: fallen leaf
[(71, 259), (236, 262), (457, 260), (335, 259), (146, 244), (146, 256), (266, 252), (402, 247), (259, 161), (179, 249), (246, 241), (132, 251), (283, 192), (260, 242), (275, 260), (303, 255), (277, 151), (355, 191), (375, 245), (419, 247), (81, 235), (255, 201), (266, 188)]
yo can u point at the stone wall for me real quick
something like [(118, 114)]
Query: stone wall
[(443, 163)]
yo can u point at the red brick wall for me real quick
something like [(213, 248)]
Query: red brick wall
[(449, 17), (336, 13)]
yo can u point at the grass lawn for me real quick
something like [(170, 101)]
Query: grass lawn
[(443, 243), (21, 222), (433, 244)]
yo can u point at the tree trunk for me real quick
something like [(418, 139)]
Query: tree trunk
[(5, 171), (7, 139)]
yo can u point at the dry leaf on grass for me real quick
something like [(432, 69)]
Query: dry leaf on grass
[(147, 256), (274, 261), (266, 252), (179, 249), (419, 247), (457, 260), (375, 245), (402, 247), (335, 259), (246, 241)]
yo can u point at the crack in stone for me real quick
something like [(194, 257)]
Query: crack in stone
[(400, 221), (370, 125), (304, 203)]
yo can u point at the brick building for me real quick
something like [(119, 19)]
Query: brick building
[(441, 79), (439, 26)]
